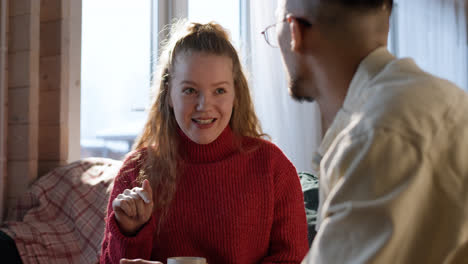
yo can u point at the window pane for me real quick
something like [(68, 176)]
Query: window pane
[(115, 88), (226, 13)]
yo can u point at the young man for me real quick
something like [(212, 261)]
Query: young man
[(394, 158)]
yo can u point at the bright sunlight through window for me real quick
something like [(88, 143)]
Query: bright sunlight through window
[(115, 74)]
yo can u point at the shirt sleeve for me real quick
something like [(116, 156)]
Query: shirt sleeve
[(375, 189), (116, 245), (288, 240)]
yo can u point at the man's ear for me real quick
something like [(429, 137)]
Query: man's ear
[(303, 37), (297, 37)]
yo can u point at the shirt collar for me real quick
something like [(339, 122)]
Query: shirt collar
[(356, 96)]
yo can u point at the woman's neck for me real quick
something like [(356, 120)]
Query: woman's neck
[(219, 149)]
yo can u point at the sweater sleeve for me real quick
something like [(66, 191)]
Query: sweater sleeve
[(116, 245), (288, 240)]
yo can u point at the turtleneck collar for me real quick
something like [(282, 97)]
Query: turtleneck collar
[(219, 149)]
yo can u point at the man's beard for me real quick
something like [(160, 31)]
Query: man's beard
[(295, 86)]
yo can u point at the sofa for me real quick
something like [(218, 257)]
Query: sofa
[(61, 217)]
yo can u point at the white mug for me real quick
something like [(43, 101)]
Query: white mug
[(186, 260)]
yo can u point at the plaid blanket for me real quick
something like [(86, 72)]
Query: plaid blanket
[(61, 217)]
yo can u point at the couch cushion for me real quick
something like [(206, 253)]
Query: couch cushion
[(310, 186), (61, 217)]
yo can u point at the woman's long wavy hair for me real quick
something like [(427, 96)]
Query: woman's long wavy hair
[(160, 162)]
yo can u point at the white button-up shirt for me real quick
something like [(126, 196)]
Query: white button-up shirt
[(394, 169)]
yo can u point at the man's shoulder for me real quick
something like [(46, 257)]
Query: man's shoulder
[(403, 82), (412, 100)]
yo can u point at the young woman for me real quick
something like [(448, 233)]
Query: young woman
[(210, 186)]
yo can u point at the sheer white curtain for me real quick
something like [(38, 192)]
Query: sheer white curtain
[(293, 126), (433, 32)]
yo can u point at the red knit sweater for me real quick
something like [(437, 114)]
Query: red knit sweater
[(230, 207)]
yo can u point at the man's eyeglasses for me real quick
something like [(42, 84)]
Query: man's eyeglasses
[(270, 35)]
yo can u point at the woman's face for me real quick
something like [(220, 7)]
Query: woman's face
[(202, 95)]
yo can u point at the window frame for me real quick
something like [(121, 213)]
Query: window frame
[(167, 11), (3, 103), (74, 80)]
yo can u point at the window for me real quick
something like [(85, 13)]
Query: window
[(393, 34), (116, 56), (226, 13), (119, 41)]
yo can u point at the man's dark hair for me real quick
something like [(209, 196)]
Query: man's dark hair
[(364, 4), (339, 13)]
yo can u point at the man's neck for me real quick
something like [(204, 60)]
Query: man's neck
[(334, 80), (333, 86)]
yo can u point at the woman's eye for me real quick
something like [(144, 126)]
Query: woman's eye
[(220, 91), (188, 91)]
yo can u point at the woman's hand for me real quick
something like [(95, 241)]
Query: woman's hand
[(138, 261), (133, 208)]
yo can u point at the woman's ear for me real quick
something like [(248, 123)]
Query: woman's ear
[(168, 98)]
